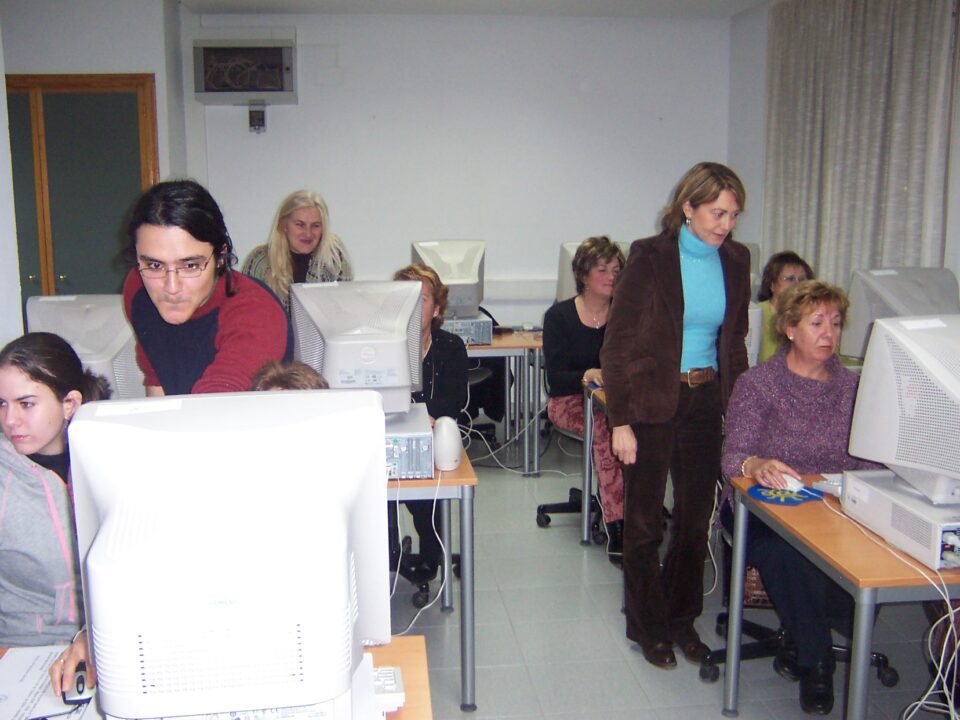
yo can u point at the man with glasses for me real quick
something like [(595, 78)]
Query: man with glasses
[(200, 326)]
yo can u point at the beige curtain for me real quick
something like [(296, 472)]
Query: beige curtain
[(859, 101)]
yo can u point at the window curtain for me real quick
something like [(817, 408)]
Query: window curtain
[(859, 100)]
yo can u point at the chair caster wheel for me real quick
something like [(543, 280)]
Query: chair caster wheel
[(421, 597), (543, 520), (888, 676), (598, 536), (709, 673)]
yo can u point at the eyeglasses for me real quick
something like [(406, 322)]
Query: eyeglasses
[(156, 270), (791, 279)]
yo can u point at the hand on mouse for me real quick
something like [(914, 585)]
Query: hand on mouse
[(64, 667), (593, 375), (769, 472)]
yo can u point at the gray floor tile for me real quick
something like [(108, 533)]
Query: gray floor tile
[(586, 687)]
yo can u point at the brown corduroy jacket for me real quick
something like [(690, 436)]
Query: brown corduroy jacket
[(640, 357)]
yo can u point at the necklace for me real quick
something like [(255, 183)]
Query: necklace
[(596, 318)]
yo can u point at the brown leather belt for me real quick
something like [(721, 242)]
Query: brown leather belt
[(698, 376)]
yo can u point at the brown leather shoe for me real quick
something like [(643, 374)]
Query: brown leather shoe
[(660, 654), (694, 650)]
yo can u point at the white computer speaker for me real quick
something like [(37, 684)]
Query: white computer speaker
[(447, 445)]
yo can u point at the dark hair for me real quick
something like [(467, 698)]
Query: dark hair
[(773, 268), (293, 375), (428, 276), (185, 204), (592, 252), (701, 184), (48, 359), (801, 298)]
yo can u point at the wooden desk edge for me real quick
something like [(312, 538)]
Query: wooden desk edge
[(463, 475), (516, 340), (909, 575), (599, 394)]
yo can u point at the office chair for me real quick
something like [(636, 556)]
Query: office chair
[(767, 642), (574, 503)]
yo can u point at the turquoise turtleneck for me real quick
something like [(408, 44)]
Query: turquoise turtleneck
[(704, 301)]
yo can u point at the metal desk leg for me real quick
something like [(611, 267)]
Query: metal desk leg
[(520, 379), (446, 597), (731, 681), (468, 657), (537, 357), (587, 487), (506, 399), (527, 425), (866, 603)]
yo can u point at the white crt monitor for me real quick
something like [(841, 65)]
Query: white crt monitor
[(907, 414), (361, 336), (566, 281), (459, 263), (97, 328), (233, 549), (895, 292)]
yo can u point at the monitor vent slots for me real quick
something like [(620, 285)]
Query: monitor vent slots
[(920, 401)]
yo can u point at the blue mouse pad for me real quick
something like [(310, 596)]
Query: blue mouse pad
[(783, 496)]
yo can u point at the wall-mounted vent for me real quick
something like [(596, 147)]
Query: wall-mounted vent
[(241, 72)]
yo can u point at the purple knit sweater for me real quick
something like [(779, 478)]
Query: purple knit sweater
[(775, 413)]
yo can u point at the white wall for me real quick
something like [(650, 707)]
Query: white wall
[(11, 319), (526, 132), (96, 36)]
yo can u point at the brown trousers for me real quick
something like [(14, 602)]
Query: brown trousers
[(662, 602)]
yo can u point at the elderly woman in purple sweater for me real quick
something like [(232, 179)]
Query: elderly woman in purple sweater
[(791, 416)]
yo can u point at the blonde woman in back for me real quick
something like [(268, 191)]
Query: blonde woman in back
[(301, 247)]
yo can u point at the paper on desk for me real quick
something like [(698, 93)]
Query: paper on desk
[(25, 691)]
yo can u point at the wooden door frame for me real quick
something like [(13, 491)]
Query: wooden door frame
[(35, 86)]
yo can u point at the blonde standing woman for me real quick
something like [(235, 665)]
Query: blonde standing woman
[(301, 247)]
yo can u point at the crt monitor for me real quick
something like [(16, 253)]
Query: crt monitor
[(361, 336), (233, 548), (907, 414), (895, 292), (566, 282), (97, 328), (459, 263)]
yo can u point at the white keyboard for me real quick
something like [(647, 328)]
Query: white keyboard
[(388, 694), (832, 484)]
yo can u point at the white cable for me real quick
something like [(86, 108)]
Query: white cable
[(710, 549), (443, 554), (941, 677), (492, 454), (566, 452)]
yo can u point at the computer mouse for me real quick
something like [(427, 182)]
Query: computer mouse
[(793, 483), (80, 693)]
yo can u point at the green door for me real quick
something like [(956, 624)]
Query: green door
[(81, 157)]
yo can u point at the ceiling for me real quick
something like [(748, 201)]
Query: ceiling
[(713, 9)]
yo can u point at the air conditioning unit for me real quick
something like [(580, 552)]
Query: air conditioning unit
[(245, 71)]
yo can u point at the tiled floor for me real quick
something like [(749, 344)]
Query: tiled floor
[(550, 634)]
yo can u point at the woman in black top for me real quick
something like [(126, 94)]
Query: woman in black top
[(444, 391), (572, 335)]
